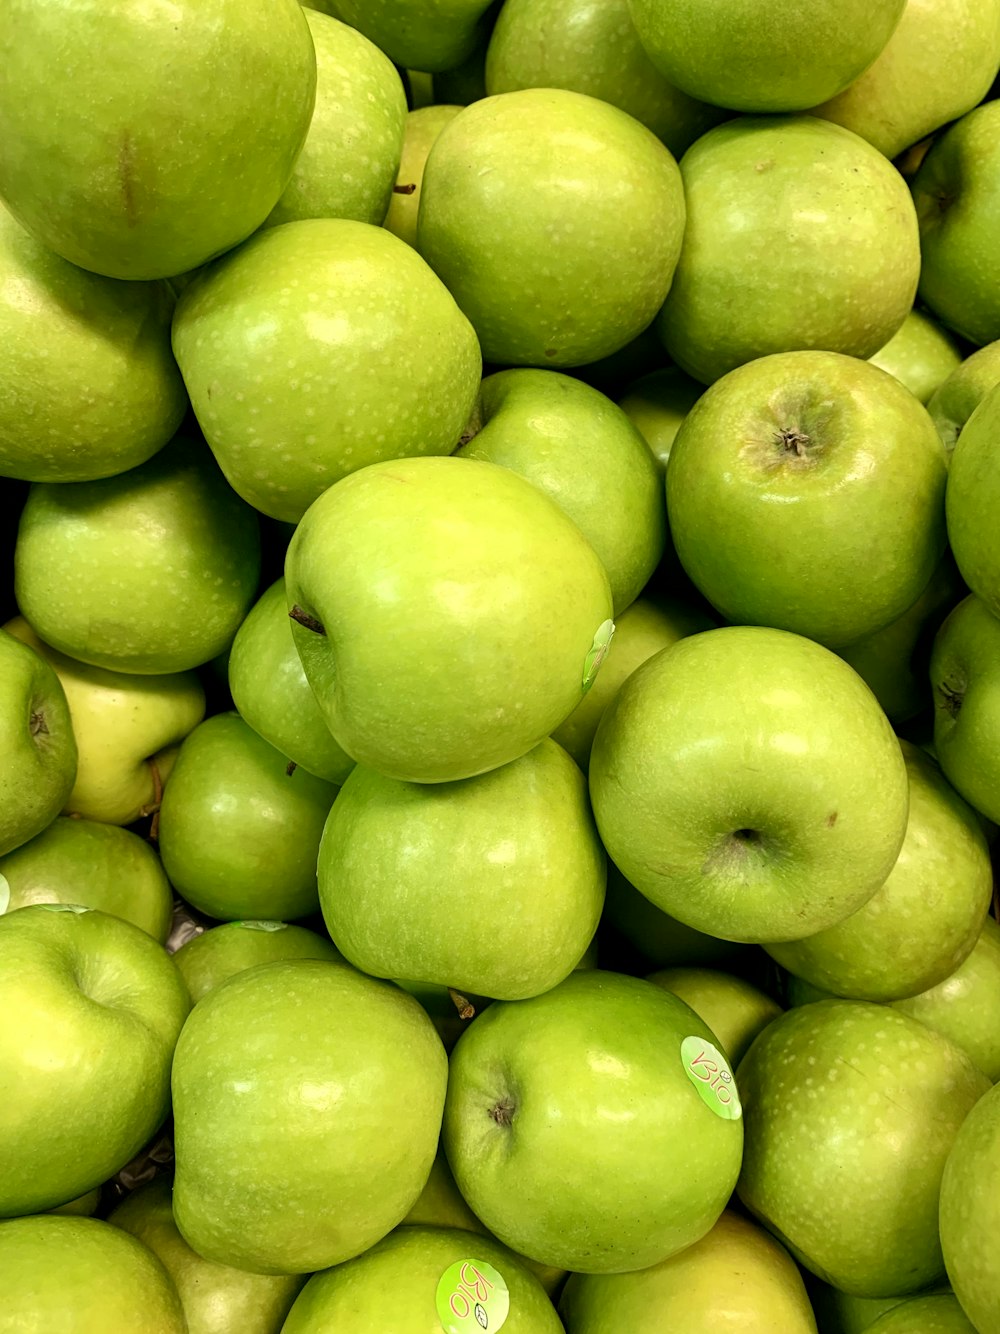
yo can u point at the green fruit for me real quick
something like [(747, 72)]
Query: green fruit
[(921, 355), (965, 676), (208, 960), (415, 34), (972, 495), (924, 1315), (734, 1009), (965, 388), (422, 128), (970, 1214), (658, 403)]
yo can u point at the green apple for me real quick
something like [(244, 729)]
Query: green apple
[(799, 235), (735, 1280), (89, 387), (850, 1112), (797, 454), (940, 1314), (641, 630), (148, 572), (349, 159), (81, 1276), (921, 355), (970, 1214), (659, 937), (307, 1108), (591, 46), (208, 960), (957, 398), (240, 826), (608, 1083), (499, 879), (448, 615), (91, 1008), (270, 690), (773, 55), (127, 731), (36, 741), (423, 126), (578, 447), (84, 1206), (971, 500), (531, 197), (420, 1279), (965, 676), (427, 35), (125, 163), (657, 403), (840, 1313), (957, 197), (317, 348), (734, 1009), (936, 66), (927, 916), (94, 864), (216, 1298), (732, 779)]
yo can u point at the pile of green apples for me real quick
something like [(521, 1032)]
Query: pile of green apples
[(499, 667)]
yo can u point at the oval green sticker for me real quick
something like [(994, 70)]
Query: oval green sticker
[(598, 652), (471, 1297), (708, 1070)]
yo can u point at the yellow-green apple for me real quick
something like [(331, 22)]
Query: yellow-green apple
[(354, 1075), (448, 615), (522, 195), (94, 864), (921, 355), (657, 403), (84, 1206), (581, 450), (734, 1009), (971, 500), (957, 398), (736, 1280), (148, 572), (965, 677), (770, 56), (91, 1011), (940, 1314), (499, 879), (731, 778), (778, 207), (319, 347), (414, 34), (82, 1276), (595, 1127), (207, 960), (217, 1299), (927, 916), (970, 1214), (420, 1279), (423, 126), (851, 1110), (240, 826), (656, 935), (89, 387), (271, 693), (125, 165), (127, 730), (36, 741), (349, 159)]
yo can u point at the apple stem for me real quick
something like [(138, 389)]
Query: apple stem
[(465, 1008), (290, 768), (408, 189), (310, 622)]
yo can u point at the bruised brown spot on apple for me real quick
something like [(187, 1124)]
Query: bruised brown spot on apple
[(309, 622), (37, 725), (951, 699), (126, 177), (551, 351), (407, 189), (502, 1111), (831, 819)]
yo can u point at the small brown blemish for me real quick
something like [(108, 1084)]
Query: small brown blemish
[(290, 768), (126, 177), (831, 819), (551, 351)]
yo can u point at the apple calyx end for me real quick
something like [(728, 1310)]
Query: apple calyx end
[(502, 1111), (793, 441), (37, 725)]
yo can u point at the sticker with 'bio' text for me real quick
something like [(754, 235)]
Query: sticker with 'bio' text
[(471, 1297), (708, 1070)]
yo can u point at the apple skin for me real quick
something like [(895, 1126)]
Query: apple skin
[(850, 1112), (657, 403), (238, 833), (118, 169), (431, 37), (939, 1314), (436, 573), (777, 207), (394, 1286), (270, 690), (148, 572), (208, 960), (581, 450), (772, 57), (924, 921), (422, 128), (970, 1213), (736, 1280), (92, 1008), (216, 1298), (36, 741), (921, 355), (803, 452), (94, 864), (81, 1276), (89, 385), (957, 398), (731, 778), (957, 198), (260, 1052), (657, 936), (502, 186), (734, 1009), (348, 161), (965, 678), (574, 1135), (385, 365), (492, 885), (973, 493)]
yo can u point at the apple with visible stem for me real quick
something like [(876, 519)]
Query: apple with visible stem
[(957, 398), (921, 355), (211, 958), (965, 678), (734, 1009), (423, 126), (971, 500), (970, 1213), (658, 403)]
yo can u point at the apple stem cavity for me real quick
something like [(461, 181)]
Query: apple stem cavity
[(951, 699), (304, 619)]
